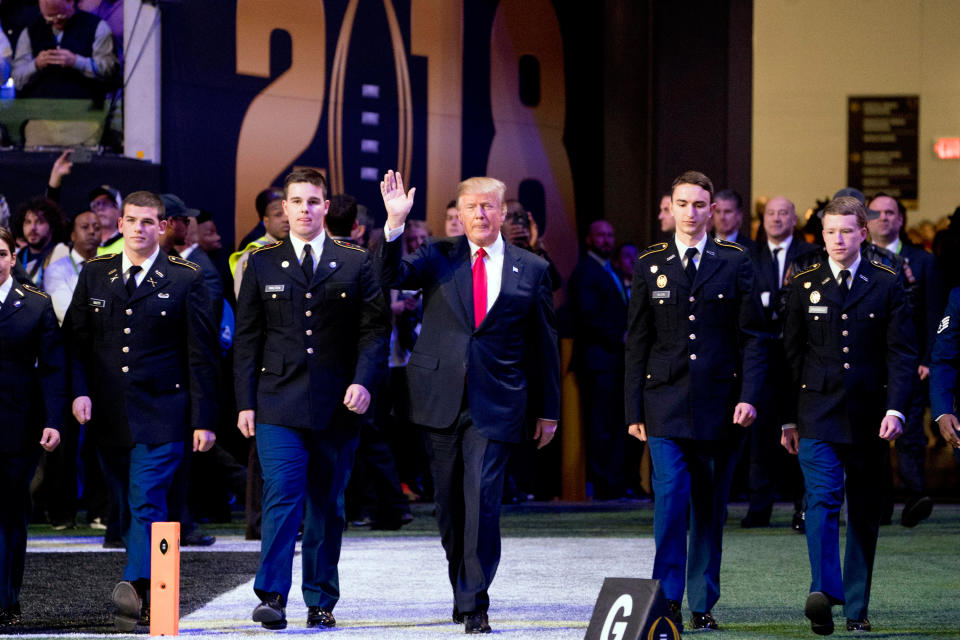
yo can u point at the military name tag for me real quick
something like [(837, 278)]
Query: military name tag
[(163, 295), (97, 302), (821, 309), (274, 288), (660, 295)]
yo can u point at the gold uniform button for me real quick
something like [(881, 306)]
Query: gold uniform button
[(274, 296), (649, 376), (871, 315), (129, 312), (309, 295), (125, 369), (692, 298), (803, 386), (176, 386), (846, 365), (262, 369), (310, 350), (308, 313), (343, 294), (126, 349), (846, 349), (844, 333), (720, 296), (163, 313), (843, 316), (693, 336), (661, 302), (309, 332), (816, 317), (693, 356), (126, 330), (692, 317)]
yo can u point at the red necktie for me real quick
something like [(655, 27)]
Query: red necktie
[(479, 288)]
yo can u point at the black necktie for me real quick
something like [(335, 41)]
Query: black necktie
[(132, 279), (844, 289), (307, 263), (776, 269), (691, 268)]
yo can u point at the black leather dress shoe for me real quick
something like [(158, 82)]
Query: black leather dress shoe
[(270, 612), (703, 621), (820, 613), (799, 523), (676, 613), (319, 617), (197, 539), (916, 511), (859, 625), (457, 615), (127, 601), (10, 615), (476, 622), (755, 519)]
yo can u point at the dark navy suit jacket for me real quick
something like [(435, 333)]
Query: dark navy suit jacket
[(851, 360), (509, 366), (693, 351), (926, 294), (599, 317), (945, 361)]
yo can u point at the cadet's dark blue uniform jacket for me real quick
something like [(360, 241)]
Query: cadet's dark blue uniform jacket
[(945, 361), (32, 365), (299, 345), (852, 360), (693, 352), (148, 362)]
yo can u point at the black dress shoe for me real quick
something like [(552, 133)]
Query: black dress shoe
[(10, 615), (270, 612), (755, 520), (820, 613), (319, 617), (196, 539), (476, 622), (457, 615), (128, 603), (916, 511), (799, 523), (703, 621), (859, 625), (676, 613)]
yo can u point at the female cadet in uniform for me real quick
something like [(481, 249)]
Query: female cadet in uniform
[(31, 404)]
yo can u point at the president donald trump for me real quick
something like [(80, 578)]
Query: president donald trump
[(486, 359)]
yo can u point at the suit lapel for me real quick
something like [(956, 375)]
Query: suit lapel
[(672, 267), (859, 285), (828, 285), (288, 255), (509, 276), (328, 263), (154, 280), (463, 277), (709, 263)]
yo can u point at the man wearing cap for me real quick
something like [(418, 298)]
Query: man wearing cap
[(926, 295), (143, 342), (105, 201), (276, 227), (179, 217), (695, 363), (850, 343)]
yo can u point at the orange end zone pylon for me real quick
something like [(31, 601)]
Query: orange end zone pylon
[(165, 579)]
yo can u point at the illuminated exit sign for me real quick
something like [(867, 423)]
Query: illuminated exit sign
[(948, 148)]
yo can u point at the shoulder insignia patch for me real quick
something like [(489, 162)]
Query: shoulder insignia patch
[(654, 248), (105, 256), (184, 263), (33, 289), (724, 243), (269, 246), (348, 245), (812, 267), (880, 265)]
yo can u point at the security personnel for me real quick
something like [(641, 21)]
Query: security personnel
[(142, 334), (31, 403), (311, 341), (851, 346), (695, 362), (944, 364)]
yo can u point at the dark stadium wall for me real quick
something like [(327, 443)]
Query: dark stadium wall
[(582, 109)]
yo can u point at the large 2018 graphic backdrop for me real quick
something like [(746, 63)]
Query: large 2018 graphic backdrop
[(440, 89)]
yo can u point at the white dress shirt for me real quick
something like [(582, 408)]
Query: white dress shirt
[(126, 263), (782, 256), (682, 249), (493, 262), (316, 246), (60, 280), (5, 289)]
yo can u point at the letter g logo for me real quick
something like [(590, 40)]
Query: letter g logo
[(615, 631)]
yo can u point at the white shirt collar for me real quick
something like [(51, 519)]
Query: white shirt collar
[(785, 245), (316, 246), (682, 248), (495, 250), (836, 268), (77, 258), (894, 247), (5, 289), (127, 263)]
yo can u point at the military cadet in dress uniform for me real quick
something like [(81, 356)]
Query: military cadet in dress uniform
[(944, 365), (31, 406), (311, 340), (695, 362), (141, 332), (851, 346)]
